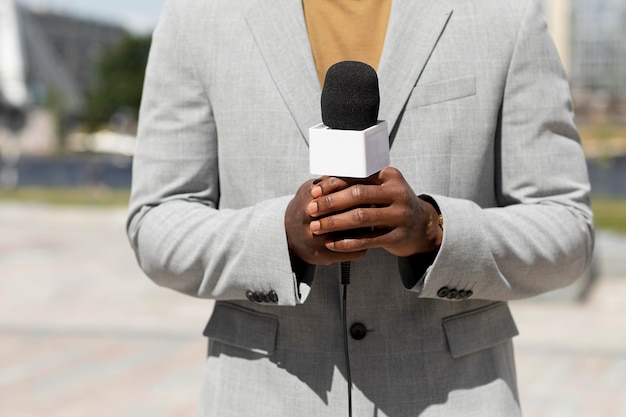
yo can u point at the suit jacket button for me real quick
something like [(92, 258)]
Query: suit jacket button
[(461, 295), (443, 292), (452, 294), (273, 297), (250, 295), (469, 293), (358, 331), (265, 297), (256, 297)]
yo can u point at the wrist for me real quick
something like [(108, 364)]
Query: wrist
[(435, 225)]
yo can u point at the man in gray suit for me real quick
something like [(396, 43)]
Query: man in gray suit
[(223, 206)]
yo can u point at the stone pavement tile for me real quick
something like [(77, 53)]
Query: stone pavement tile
[(68, 268), (82, 331), (74, 376), (571, 357)]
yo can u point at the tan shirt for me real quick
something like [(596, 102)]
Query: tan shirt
[(346, 30)]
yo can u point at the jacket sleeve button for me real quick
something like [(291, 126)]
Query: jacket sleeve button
[(273, 297), (250, 295), (443, 292), (452, 294)]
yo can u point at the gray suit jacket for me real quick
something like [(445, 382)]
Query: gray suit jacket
[(481, 120)]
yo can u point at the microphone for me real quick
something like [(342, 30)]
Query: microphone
[(351, 141)]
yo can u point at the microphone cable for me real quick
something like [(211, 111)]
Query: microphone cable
[(345, 281)]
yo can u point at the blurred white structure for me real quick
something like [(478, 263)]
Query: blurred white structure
[(13, 92), (103, 141), (559, 16), (12, 75)]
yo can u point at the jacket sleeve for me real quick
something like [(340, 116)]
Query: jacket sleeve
[(181, 240), (540, 237)]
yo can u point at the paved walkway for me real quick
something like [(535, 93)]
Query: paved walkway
[(84, 334)]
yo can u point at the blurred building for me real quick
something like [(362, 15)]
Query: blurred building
[(591, 37), (52, 54), (599, 45), (47, 68), (61, 52)]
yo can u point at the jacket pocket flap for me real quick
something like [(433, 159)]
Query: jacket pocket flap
[(445, 90), (479, 329), (244, 328)]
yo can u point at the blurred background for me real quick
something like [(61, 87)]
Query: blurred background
[(84, 333)]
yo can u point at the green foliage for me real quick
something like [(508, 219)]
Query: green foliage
[(610, 214), (120, 75), (63, 196)]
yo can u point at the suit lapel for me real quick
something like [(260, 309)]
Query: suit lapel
[(415, 26), (280, 32)]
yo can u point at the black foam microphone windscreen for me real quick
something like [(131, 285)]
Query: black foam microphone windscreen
[(350, 97)]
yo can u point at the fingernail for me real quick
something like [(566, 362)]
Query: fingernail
[(312, 208), (316, 191), (315, 226)]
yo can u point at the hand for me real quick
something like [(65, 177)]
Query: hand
[(309, 247), (381, 212)]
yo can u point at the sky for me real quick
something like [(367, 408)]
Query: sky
[(139, 16)]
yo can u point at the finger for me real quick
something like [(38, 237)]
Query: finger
[(315, 252), (327, 185), (357, 195), (358, 242), (358, 218)]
